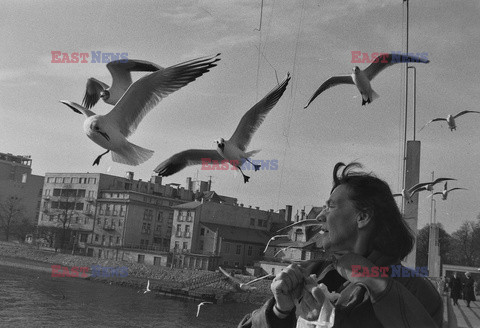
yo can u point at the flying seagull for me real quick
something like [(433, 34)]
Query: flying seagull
[(240, 286), (450, 119), (362, 78), (121, 81), (407, 194), (148, 287), (112, 130), (234, 149), (200, 305), (272, 239), (282, 250), (445, 191)]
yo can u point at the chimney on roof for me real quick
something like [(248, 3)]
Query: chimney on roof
[(257, 207), (288, 213), (241, 204), (302, 214), (155, 179), (296, 217), (189, 183), (129, 175)]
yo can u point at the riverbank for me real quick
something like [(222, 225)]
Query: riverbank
[(184, 283)]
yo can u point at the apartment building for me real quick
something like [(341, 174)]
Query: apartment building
[(218, 231), (18, 182), (105, 213)]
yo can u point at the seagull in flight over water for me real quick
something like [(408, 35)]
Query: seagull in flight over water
[(362, 78), (121, 81), (200, 305), (148, 287), (112, 130), (450, 119), (240, 286), (234, 149)]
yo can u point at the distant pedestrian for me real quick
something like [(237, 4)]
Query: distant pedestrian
[(468, 292), (455, 288)]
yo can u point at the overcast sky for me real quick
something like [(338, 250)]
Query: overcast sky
[(311, 39)]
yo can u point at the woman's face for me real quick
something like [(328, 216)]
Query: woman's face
[(340, 216)]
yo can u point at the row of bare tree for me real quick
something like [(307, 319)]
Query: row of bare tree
[(462, 247)]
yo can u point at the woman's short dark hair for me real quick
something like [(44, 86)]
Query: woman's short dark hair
[(391, 234)]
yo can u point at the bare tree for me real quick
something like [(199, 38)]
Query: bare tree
[(466, 246), (445, 241), (12, 213)]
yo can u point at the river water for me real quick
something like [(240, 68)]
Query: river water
[(35, 299)]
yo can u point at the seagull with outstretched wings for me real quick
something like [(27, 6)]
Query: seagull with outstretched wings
[(445, 191), (361, 79), (234, 149), (450, 119), (111, 131), (121, 81)]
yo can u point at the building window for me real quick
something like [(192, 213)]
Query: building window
[(74, 180), (79, 206), (118, 240), (250, 250), (252, 221), (119, 223), (141, 258), (177, 245), (76, 219), (98, 221), (50, 180), (187, 231), (56, 192), (83, 237), (123, 209), (185, 245), (160, 217), (103, 239), (58, 180), (157, 260), (239, 249), (202, 232), (260, 223), (110, 240), (227, 248), (179, 230), (201, 245), (92, 180), (96, 237), (107, 209)]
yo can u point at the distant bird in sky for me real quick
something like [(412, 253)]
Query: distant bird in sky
[(148, 287), (241, 286), (407, 194), (272, 239), (362, 78), (450, 119), (445, 191), (200, 305), (121, 81), (111, 130), (234, 149), (429, 185)]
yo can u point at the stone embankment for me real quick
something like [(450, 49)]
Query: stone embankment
[(194, 284)]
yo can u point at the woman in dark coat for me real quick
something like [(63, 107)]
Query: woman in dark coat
[(468, 292), (455, 288)]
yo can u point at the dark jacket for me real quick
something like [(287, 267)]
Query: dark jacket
[(468, 292), (455, 288), (406, 302)]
